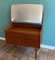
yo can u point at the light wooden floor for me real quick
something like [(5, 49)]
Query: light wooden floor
[(24, 53)]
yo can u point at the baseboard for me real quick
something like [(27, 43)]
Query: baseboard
[(47, 47), (2, 38), (42, 45)]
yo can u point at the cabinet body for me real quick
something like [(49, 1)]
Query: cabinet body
[(22, 35)]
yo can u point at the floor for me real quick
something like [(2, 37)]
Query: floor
[(24, 53)]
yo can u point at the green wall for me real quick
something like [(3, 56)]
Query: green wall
[(48, 36)]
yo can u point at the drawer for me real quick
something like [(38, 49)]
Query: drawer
[(24, 37), (32, 40)]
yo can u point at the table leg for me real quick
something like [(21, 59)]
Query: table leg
[(35, 53)]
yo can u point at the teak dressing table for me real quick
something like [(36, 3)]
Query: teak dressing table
[(24, 34)]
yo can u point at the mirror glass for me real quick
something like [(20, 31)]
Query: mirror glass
[(27, 13)]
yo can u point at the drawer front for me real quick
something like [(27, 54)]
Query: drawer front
[(32, 40)]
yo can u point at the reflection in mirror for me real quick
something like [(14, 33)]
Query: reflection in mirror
[(27, 13)]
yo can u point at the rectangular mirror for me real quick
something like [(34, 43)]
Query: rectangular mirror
[(27, 13)]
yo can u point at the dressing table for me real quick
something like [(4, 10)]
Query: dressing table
[(25, 26)]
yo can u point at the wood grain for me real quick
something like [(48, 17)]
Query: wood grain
[(21, 35)]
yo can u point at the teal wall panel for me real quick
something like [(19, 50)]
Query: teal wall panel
[(48, 36)]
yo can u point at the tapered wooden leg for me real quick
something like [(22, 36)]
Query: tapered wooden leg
[(35, 53), (38, 51)]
